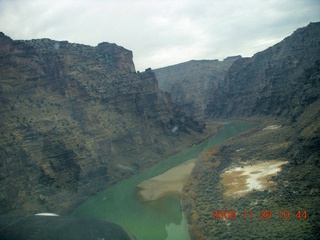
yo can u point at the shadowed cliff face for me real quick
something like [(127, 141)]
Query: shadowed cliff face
[(280, 81), (75, 119), (191, 83)]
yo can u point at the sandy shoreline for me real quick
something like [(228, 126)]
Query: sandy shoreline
[(171, 181)]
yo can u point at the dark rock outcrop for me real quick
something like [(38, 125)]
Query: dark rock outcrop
[(191, 84), (76, 119), (280, 81)]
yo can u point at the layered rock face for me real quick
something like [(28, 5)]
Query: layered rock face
[(280, 81), (75, 119), (191, 83)]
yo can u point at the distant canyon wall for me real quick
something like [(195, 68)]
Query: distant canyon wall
[(280, 81), (192, 83)]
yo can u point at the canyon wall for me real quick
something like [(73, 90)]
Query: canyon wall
[(76, 119), (192, 83), (280, 81)]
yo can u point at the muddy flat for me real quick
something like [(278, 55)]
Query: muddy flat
[(241, 180)]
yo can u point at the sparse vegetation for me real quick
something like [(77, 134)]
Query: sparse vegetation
[(297, 186)]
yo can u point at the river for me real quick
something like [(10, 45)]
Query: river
[(156, 220)]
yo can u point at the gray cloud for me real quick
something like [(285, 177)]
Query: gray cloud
[(161, 33)]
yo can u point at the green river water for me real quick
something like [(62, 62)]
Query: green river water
[(156, 220)]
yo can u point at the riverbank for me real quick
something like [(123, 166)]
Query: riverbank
[(171, 181), (175, 145), (228, 177), (159, 219)]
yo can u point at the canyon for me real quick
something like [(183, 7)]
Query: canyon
[(76, 119)]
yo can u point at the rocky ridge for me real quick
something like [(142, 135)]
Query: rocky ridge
[(76, 119)]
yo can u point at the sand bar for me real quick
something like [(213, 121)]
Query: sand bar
[(171, 181)]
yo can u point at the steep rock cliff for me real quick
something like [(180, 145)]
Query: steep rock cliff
[(191, 83), (76, 119), (280, 81)]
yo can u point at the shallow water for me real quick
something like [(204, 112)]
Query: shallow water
[(157, 220)]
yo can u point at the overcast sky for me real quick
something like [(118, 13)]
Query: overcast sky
[(161, 32)]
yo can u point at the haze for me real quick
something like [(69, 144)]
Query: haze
[(161, 33)]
